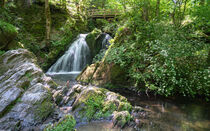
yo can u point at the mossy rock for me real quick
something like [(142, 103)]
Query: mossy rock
[(65, 124), (43, 110), (122, 118), (95, 103), (7, 34), (94, 46)]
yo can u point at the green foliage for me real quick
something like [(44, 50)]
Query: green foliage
[(43, 110), (94, 106), (1, 52), (164, 59), (67, 124), (99, 56), (202, 18), (7, 27)]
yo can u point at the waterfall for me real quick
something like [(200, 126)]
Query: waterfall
[(74, 59)]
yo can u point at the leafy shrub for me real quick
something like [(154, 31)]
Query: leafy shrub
[(99, 56), (202, 18), (163, 59)]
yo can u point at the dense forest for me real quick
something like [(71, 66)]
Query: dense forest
[(155, 47)]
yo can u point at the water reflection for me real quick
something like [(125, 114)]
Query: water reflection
[(165, 115)]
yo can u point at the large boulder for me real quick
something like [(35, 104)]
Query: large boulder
[(25, 91), (7, 34), (93, 103), (102, 73)]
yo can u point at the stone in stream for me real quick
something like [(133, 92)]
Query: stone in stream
[(25, 96), (93, 103)]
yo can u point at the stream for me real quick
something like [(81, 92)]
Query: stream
[(161, 114), (164, 114)]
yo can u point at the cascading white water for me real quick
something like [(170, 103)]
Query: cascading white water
[(74, 59)]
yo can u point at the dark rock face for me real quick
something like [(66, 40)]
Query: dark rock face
[(97, 41), (25, 96)]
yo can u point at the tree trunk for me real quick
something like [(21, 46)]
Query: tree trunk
[(157, 8), (145, 10), (185, 5), (48, 22), (2, 2)]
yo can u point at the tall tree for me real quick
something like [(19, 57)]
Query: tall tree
[(157, 8), (48, 22), (145, 10)]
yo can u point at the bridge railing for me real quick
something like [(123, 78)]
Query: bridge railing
[(103, 12)]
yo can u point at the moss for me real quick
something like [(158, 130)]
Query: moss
[(124, 106), (43, 110), (8, 33), (94, 106), (109, 107), (25, 85), (66, 124), (122, 118)]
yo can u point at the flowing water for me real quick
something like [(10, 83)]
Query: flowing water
[(163, 114), (74, 59)]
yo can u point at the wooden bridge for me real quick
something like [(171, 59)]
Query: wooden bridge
[(103, 13)]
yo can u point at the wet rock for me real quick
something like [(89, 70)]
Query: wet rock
[(25, 91), (8, 97)]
